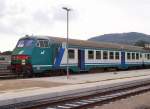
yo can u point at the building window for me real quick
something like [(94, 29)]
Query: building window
[(98, 54), (71, 54), (111, 55), (128, 56), (105, 55), (117, 56), (137, 56), (90, 54), (133, 55)]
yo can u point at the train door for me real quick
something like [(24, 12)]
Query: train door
[(123, 58), (81, 59)]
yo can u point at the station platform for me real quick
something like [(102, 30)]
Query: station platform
[(23, 90)]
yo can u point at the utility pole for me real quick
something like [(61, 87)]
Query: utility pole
[(67, 10)]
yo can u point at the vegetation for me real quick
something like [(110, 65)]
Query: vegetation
[(141, 43), (6, 53), (131, 38)]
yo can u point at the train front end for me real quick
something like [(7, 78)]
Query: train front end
[(21, 60)]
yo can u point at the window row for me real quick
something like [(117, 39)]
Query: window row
[(112, 55), (106, 55), (42, 43), (147, 56), (133, 56)]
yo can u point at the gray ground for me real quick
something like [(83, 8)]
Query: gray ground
[(141, 101)]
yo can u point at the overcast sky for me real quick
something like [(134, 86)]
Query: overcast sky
[(88, 18)]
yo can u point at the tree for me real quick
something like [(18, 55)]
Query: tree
[(7, 53), (141, 43)]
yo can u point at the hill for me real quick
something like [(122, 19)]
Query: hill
[(132, 38)]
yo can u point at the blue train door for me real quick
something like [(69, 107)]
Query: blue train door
[(81, 59), (122, 58)]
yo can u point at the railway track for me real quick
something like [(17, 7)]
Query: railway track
[(88, 102), (85, 100)]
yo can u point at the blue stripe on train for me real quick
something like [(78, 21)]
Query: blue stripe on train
[(59, 58)]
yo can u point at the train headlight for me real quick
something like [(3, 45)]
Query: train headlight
[(23, 62)]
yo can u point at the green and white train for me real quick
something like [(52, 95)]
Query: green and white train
[(38, 54)]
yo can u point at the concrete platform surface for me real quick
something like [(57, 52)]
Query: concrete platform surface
[(57, 87), (96, 77)]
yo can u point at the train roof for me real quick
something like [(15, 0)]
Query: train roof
[(90, 44)]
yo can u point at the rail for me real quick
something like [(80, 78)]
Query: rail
[(84, 99)]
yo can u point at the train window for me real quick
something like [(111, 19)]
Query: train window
[(117, 56), (46, 44), (90, 54), (148, 56), (25, 43), (137, 56), (71, 54), (111, 55), (133, 55), (128, 56), (98, 54), (42, 43), (38, 44), (105, 55), (140, 55)]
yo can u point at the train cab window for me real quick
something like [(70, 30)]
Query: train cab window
[(42, 43), (25, 43), (133, 55), (105, 55), (71, 54), (117, 56), (111, 55), (137, 56), (98, 54), (90, 54), (38, 44), (128, 56)]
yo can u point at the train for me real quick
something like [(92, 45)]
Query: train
[(39, 54)]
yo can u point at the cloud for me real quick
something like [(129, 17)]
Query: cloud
[(87, 17), (43, 17), (2, 8), (59, 14)]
